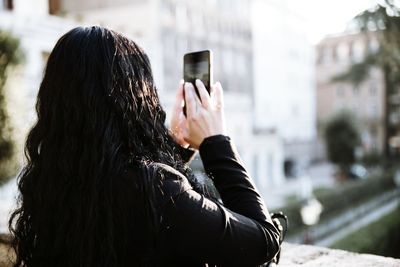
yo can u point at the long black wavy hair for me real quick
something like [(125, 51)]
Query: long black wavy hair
[(98, 114)]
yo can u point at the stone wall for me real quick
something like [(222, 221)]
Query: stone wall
[(5, 255), (296, 255), (312, 256)]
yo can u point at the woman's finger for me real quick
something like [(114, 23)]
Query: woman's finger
[(179, 97), (190, 100), (197, 99), (218, 95), (204, 96)]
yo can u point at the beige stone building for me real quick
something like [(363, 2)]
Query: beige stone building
[(366, 101), (168, 29)]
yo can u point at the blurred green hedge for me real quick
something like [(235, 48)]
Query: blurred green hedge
[(381, 237), (339, 199), (10, 55)]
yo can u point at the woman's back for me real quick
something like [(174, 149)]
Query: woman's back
[(98, 115)]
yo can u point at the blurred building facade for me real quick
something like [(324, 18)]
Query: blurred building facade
[(284, 88), (366, 101), (38, 32), (165, 30)]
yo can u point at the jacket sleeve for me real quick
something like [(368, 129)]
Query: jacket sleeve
[(195, 228), (187, 154)]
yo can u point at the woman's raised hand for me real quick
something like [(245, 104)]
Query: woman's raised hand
[(205, 115), (178, 120)]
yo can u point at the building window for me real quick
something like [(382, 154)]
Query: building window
[(54, 7), (228, 58), (342, 52), (327, 55), (373, 90), (334, 53), (241, 63), (295, 111), (357, 51), (340, 91), (374, 131), (8, 4), (320, 57), (167, 8), (181, 16), (356, 90), (373, 45), (374, 111), (355, 108)]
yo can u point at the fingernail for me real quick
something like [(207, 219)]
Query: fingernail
[(182, 81), (198, 81)]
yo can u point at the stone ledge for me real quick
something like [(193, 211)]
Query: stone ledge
[(297, 255), (5, 260), (312, 256)]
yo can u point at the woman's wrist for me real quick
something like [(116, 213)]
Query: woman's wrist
[(187, 154), (214, 139)]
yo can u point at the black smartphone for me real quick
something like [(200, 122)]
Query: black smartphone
[(198, 65)]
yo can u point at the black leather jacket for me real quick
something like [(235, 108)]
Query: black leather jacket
[(198, 231)]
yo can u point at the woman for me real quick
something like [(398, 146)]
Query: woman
[(107, 184)]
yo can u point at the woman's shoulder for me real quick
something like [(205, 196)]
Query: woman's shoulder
[(168, 182)]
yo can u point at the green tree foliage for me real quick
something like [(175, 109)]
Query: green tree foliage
[(384, 22), (342, 138), (10, 55), (340, 199), (358, 72), (384, 19)]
